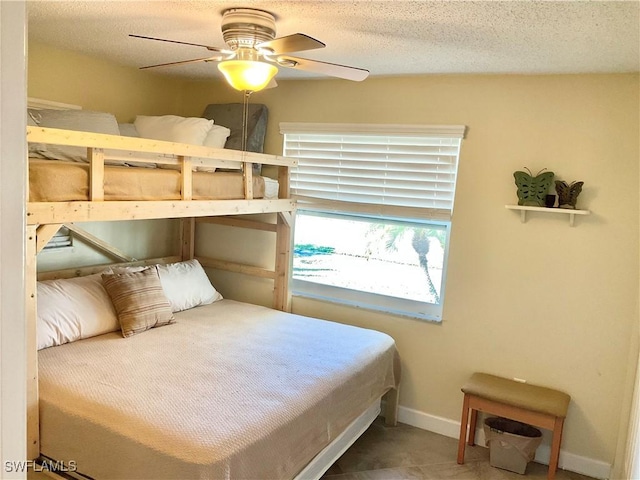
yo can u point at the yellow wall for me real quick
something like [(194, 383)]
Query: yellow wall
[(542, 301), (95, 84)]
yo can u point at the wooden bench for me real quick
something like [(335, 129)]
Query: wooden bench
[(538, 406)]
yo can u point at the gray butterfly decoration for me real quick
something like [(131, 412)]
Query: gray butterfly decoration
[(568, 193)]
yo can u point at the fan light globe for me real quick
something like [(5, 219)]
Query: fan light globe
[(247, 74)]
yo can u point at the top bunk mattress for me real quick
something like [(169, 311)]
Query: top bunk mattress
[(56, 181), (231, 390)]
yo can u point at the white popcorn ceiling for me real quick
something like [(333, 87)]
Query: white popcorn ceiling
[(386, 37)]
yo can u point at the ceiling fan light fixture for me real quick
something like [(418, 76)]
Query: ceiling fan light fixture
[(249, 75)]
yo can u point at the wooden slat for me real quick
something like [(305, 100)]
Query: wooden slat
[(239, 222), (60, 212), (157, 158), (281, 295), (248, 180), (133, 144), (101, 245), (188, 238), (44, 234), (186, 178), (33, 418), (236, 267), (287, 218), (96, 174), (283, 182), (83, 271)]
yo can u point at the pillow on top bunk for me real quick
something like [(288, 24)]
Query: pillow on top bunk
[(172, 128), (139, 300), (216, 138), (73, 308), (78, 120), (128, 130)]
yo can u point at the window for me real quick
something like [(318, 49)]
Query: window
[(60, 241), (374, 213)]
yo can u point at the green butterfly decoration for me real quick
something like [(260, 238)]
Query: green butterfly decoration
[(568, 193), (533, 190)]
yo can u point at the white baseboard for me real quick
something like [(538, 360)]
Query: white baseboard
[(416, 418), (451, 428)]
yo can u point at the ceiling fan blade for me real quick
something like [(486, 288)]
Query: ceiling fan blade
[(272, 84), (297, 42), (208, 47), (215, 58), (331, 69)]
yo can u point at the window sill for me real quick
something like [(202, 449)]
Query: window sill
[(345, 303)]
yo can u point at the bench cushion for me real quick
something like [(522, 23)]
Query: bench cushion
[(517, 394)]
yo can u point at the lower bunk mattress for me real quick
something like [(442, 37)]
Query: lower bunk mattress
[(231, 390), (56, 181)]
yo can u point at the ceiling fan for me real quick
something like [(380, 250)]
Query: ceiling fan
[(253, 52)]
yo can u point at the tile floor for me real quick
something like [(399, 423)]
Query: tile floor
[(405, 452)]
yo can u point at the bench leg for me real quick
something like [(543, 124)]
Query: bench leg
[(555, 448), (472, 427), (464, 422)]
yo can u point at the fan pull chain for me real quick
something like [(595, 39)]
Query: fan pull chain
[(245, 122)]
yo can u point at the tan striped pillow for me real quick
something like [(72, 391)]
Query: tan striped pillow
[(139, 300)]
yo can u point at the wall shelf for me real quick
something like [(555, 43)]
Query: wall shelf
[(566, 211)]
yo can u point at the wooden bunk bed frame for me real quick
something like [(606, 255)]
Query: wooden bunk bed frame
[(43, 219)]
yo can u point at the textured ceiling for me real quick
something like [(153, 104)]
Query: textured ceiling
[(386, 37)]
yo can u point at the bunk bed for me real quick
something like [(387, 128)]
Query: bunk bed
[(360, 372)]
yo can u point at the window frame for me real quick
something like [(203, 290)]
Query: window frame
[(437, 217), (405, 307)]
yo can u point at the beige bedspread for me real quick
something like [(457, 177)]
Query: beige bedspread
[(231, 390), (56, 181)]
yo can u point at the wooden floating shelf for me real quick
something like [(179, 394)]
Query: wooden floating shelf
[(566, 211)]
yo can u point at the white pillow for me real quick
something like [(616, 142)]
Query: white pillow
[(217, 136), (73, 308), (78, 120), (172, 128), (186, 285)]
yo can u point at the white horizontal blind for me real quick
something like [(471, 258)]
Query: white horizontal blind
[(399, 169)]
